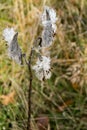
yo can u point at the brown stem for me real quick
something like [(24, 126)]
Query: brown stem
[(29, 93), (30, 86)]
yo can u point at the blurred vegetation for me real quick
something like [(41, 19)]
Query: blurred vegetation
[(61, 102)]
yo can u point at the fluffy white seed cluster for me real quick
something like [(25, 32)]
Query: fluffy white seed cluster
[(14, 51), (48, 20), (42, 68)]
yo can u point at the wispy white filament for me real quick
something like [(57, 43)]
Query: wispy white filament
[(42, 68)]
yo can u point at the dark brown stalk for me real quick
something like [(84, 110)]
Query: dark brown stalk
[(29, 93), (30, 84)]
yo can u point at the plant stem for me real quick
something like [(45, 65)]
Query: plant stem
[(30, 85), (29, 93)]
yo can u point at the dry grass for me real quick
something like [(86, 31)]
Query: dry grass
[(61, 99)]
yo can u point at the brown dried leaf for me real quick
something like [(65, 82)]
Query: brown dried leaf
[(64, 105), (42, 122), (7, 99)]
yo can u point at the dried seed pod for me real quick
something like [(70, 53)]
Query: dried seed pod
[(47, 35), (14, 51), (49, 27)]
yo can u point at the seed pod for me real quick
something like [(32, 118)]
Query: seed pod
[(14, 50)]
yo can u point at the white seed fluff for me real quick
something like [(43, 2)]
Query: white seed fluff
[(8, 34), (52, 16), (42, 68)]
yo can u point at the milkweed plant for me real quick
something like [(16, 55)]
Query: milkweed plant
[(42, 67)]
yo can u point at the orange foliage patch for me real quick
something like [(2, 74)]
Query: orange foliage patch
[(65, 105), (7, 99)]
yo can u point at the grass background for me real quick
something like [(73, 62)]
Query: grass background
[(61, 102)]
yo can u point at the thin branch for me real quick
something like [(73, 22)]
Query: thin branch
[(29, 93), (69, 60), (30, 84)]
